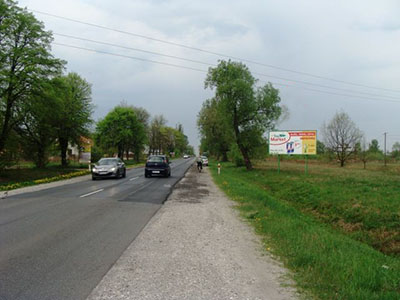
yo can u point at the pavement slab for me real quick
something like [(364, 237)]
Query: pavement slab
[(196, 247)]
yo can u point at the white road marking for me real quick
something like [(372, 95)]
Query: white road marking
[(98, 191), (167, 185), (133, 178)]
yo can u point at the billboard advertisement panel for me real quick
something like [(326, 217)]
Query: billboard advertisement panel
[(292, 142)]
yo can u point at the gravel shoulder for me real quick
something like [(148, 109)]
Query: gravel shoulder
[(196, 247)]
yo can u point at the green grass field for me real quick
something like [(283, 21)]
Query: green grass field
[(336, 228)]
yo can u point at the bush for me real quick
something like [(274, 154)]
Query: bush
[(96, 153), (235, 156)]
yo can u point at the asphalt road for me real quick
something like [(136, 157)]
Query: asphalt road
[(58, 243)]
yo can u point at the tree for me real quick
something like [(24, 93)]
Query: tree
[(216, 136), (341, 136), (120, 131), (74, 110), (155, 135), (142, 114), (248, 110), (37, 129), (25, 61), (363, 152), (320, 147), (374, 147), (396, 150)]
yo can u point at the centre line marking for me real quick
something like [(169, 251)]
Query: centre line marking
[(98, 191), (133, 178)]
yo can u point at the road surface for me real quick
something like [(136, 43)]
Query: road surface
[(58, 243)]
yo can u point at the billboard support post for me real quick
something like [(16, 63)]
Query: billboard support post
[(306, 166), (279, 163)]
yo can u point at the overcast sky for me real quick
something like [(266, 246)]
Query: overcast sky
[(352, 41)]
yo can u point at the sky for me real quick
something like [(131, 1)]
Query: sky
[(296, 45)]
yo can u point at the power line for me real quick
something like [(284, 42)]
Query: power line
[(131, 48), (213, 65), (131, 57), (204, 71), (213, 53), (338, 94)]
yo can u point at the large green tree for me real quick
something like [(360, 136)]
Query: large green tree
[(156, 136), (37, 130), (74, 110), (248, 109), (25, 60), (120, 131), (216, 136)]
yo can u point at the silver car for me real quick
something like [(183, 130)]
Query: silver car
[(109, 167)]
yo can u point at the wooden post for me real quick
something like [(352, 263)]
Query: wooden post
[(279, 163)]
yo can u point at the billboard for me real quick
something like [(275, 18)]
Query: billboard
[(300, 142)]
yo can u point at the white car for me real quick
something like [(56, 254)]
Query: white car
[(204, 160), (186, 156)]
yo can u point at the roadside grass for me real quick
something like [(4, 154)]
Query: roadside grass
[(364, 204), (16, 178), (134, 163), (301, 220)]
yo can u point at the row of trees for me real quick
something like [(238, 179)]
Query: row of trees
[(39, 106), (234, 121), (42, 110), (345, 141), (126, 129)]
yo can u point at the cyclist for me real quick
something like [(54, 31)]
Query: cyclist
[(199, 164)]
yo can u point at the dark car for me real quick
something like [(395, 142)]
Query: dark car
[(157, 165), (109, 167)]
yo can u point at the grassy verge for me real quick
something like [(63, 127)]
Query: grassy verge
[(327, 260), (134, 163), (16, 178)]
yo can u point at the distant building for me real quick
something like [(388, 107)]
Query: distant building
[(82, 151)]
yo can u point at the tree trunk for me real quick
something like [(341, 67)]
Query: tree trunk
[(64, 148), (120, 152), (41, 157), (6, 123), (242, 149), (127, 154), (224, 156), (246, 157), (137, 155)]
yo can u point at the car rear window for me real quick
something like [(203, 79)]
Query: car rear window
[(156, 159)]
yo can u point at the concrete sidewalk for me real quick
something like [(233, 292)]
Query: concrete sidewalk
[(195, 247)]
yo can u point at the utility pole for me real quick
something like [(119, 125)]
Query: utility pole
[(385, 133)]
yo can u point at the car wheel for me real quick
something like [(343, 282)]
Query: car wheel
[(94, 178), (124, 175)]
